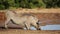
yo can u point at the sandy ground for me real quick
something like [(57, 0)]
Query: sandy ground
[(18, 31)]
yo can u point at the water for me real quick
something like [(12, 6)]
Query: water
[(48, 27)]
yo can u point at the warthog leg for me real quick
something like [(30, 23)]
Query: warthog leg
[(27, 25), (6, 23)]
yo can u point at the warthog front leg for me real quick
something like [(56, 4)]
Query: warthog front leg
[(27, 25)]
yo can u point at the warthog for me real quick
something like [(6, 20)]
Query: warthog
[(22, 19)]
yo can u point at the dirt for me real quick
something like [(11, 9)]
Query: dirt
[(18, 31)]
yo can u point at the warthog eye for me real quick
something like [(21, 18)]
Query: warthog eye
[(38, 22)]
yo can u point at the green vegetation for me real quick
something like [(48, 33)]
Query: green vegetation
[(6, 4), (52, 3)]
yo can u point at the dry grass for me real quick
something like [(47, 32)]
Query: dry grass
[(37, 10), (20, 10)]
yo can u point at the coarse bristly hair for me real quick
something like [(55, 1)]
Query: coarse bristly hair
[(25, 20)]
